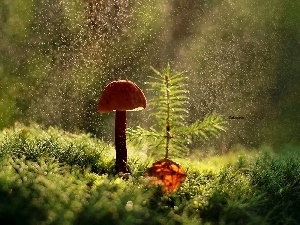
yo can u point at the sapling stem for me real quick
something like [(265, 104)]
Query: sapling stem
[(168, 127)]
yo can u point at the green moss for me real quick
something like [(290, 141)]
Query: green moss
[(48, 176)]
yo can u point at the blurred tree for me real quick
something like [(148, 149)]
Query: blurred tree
[(14, 53), (233, 56), (283, 127)]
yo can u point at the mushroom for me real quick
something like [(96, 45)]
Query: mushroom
[(121, 96)]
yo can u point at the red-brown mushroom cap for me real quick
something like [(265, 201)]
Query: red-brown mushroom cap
[(121, 95)]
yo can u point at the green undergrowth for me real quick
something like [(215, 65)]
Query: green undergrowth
[(48, 176)]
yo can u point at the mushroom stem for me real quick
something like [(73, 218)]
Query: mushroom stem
[(120, 142)]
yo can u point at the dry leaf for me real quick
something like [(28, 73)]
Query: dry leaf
[(170, 175)]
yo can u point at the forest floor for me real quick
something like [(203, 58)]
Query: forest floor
[(49, 176)]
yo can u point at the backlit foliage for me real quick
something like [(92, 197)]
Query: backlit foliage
[(172, 130)]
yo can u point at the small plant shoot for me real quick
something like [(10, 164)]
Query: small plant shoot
[(172, 133)]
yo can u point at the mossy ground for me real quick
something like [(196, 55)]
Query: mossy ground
[(48, 176)]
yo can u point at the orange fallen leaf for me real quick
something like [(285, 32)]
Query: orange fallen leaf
[(167, 173)]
